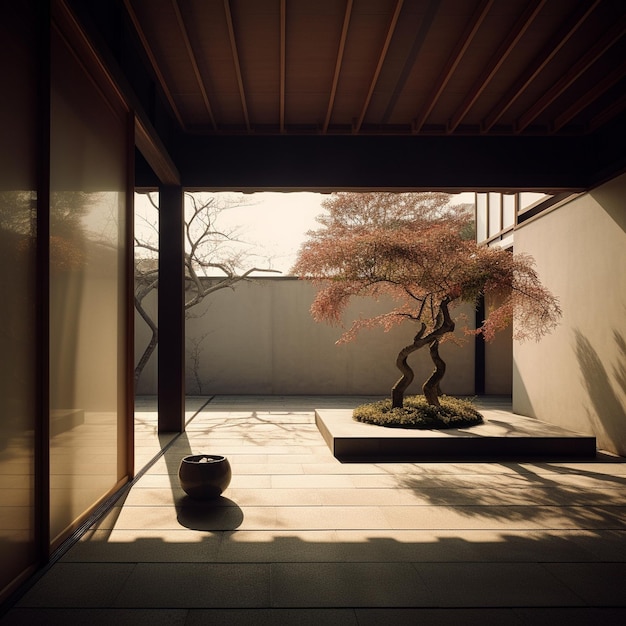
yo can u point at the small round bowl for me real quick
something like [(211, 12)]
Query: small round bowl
[(204, 476)]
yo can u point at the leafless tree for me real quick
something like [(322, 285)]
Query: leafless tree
[(208, 250)]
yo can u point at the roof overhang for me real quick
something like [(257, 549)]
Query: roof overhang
[(387, 94)]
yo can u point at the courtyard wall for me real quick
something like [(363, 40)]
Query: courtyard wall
[(576, 376), (261, 339)]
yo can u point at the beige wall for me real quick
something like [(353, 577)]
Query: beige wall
[(576, 377), (499, 364), (262, 340)]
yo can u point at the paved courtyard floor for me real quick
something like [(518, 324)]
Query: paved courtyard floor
[(300, 538)]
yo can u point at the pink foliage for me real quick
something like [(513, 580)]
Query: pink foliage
[(417, 250)]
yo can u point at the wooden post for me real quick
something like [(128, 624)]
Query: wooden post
[(171, 313)]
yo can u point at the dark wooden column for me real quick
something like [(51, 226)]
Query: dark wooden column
[(171, 314), (479, 347)]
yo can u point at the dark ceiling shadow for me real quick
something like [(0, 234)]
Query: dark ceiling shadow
[(220, 514)]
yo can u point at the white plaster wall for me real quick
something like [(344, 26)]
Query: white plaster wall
[(576, 377), (499, 364), (262, 340)]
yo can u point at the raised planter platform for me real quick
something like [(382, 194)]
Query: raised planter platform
[(503, 435)]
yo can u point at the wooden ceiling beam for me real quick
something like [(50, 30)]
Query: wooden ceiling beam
[(194, 63), (153, 62), (338, 62), (402, 163), (538, 64), (610, 112), (583, 64), (283, 65), (521, 26), (453, 61), (236, 63), (379, 66), (590, 96), (421, 35)]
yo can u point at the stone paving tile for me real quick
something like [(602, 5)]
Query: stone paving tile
[(315, 518), (496, 585), (571, 616), (325, 481), (140, 518), (605, 545), (278, 546), (272, 617), (97, 617), (163, 481), (438, 617), (300, 538), (347, 585), (79, 585), (598, 584), (463, 517), (196, 585), (152, 546)]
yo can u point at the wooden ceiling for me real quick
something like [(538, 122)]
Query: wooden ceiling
[(387, 67)]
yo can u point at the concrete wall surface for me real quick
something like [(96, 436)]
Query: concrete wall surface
[(576, 376), (260, 338)]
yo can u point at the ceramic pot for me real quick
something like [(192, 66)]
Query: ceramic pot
[(204, 476)]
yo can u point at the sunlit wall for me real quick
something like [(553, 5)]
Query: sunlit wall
[(576, 376)]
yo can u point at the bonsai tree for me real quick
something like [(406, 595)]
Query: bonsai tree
[(420, 252)]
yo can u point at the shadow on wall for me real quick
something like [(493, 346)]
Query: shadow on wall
[(607, 411), (613, 204)]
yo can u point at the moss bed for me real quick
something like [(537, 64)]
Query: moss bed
[(417, 413)]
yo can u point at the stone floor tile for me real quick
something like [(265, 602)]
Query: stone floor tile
[(78, 585), (438, 617), (272, 617), (347, 585), (281, 546), (127, 546), (462, 517), (495, 585), (324, 481), (330, 517), (602, 545), (365, 497), (196, 585), (96, 617), (571, 616), (599, 584)]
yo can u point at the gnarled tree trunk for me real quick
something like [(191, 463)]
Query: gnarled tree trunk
[(443, 325), (399, 389), (431, 388)]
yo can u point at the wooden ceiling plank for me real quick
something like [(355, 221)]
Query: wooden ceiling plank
[(590, 96), (611, 111), (586, 61), (194, 63), (539, 63), (453, 61), (379, 66), (418, 41), (338, 62), (153, 62), (236, 63), (521, 26), (283, 63)]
